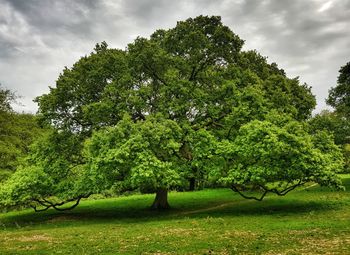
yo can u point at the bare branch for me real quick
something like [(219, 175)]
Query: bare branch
[(155, 75), (235, 189), (39, 210), (288, 189), (267, 190), (48, 204)]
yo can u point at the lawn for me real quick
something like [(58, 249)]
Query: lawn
[(307, 221)]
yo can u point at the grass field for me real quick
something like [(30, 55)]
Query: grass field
[(307, 221)]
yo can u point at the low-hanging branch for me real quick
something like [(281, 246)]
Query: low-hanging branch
[(286, 190), (235, 189), (267, 190), (48, 204)]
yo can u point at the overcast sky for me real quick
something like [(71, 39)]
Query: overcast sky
[(307, 38)]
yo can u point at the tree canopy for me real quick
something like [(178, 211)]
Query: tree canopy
[(183, 107)]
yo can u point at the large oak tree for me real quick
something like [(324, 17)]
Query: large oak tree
[(166, 113)]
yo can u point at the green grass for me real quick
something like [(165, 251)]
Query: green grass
[(307, 221)]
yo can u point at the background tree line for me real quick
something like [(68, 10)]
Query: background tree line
[(17, 132)]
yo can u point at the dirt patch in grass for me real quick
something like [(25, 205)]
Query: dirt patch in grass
[(239, 234), (306, 232), (216, 207), (157, 253), (331, 245), (320, 239), (183, 232), (315, 241), (34, 238)]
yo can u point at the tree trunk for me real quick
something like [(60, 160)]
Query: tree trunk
[(192, 184), (161, 200)]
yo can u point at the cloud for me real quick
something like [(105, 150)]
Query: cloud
[(38, 38)]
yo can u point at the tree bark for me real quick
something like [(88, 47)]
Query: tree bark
[(192, 184), (161, 200)]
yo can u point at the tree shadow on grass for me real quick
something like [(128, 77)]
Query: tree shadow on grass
[(276, 207), (138, 212)]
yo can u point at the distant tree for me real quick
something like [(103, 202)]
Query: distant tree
[(334, 123), (346, 152), (6, 98), (153, 117), (339, 96), (339, 126), (17, 132)]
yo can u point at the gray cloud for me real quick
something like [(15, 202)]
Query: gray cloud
[(38, 38)]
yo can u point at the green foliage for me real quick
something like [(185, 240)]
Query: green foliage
[(75, 104), (257, 63), (144, 154), (183, 73), (25, 185), (277, 154), (336, 124), (284, 94), (51, 171), (333, 123), (150, 155)]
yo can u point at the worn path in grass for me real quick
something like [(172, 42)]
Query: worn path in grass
[(309, 221)]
